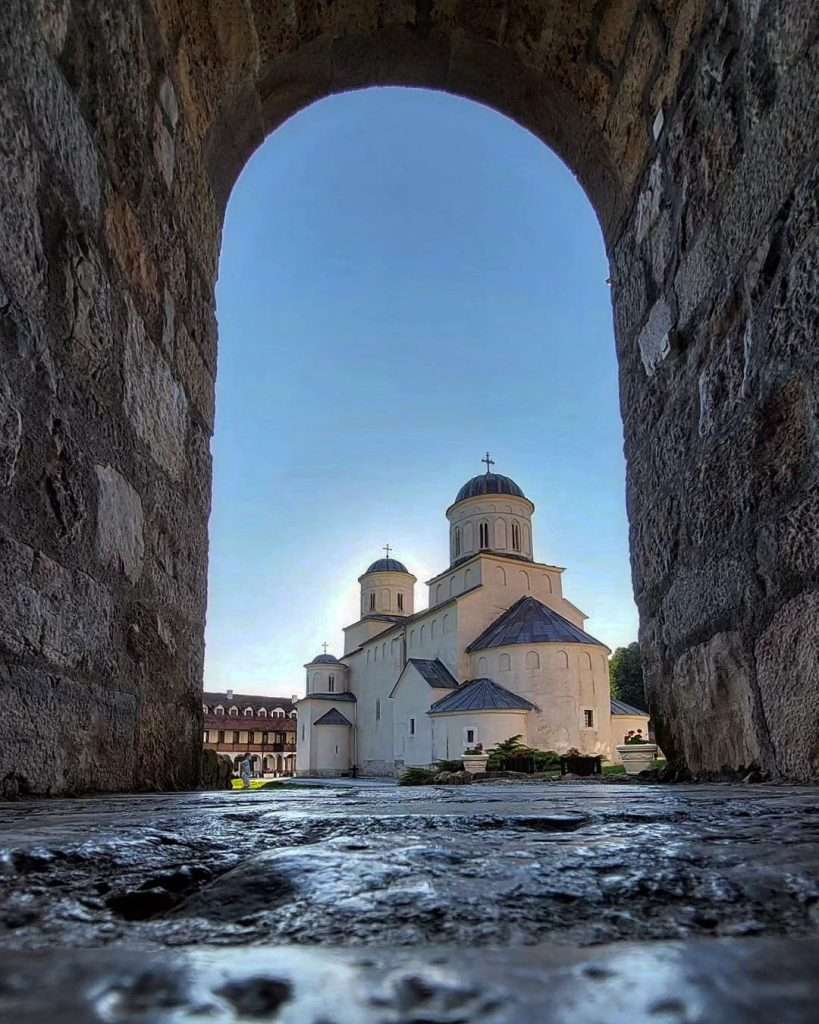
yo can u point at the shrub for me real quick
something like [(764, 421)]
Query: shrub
[(417, 777), (450, 766), (513, 755)]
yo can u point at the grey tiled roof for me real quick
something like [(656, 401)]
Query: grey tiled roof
[(529, 621), (213, 698), (387, 565), (619, 707), (324, 659), (435, 673), (488, 483), (330, 696), (481, 695), (333, 717)]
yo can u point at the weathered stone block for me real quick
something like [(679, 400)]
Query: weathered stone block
[(154, 401), (787, 657), (654, 339), (52, 612), (120, 544), (11, 428)]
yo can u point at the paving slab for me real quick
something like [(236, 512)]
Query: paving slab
[(612, 892)]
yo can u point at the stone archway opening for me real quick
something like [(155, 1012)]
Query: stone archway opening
[(691, 128)]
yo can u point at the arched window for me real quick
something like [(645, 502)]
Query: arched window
[(483, 666), (331, 684), (439, 593), (278, 712), (532, 659), (562, 659), (524, 579), (500, 575), (378, 709), (375, 653), (412, 638), (219, 709), (422, 637), (368, 655), (400, 599), (457, 541), (585, 660), (515, 536), (372, 601), (484, 534), (383, 651), (234, 711), (547, 583), (445, 624), (467, 579), (248, 712), (432, 629), (294, 714), (505, 663)]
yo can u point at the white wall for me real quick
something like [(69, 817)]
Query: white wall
[(387, 586), (491, 727), (412, 700), (499, 512), (333, 748)]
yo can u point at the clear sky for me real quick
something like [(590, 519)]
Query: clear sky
[(407, 279)]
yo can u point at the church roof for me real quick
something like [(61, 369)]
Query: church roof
[(333, 717), (435, 673), (387, 565), (331, 696), (325, 659), (481, 695), (529, 621), (215, 698), (619, 707), (488, 483)]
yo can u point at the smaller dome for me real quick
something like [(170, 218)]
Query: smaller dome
[(388, 565), (488, 483), (324, 659)]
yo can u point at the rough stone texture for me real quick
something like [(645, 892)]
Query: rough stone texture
[(120, 541), (217, 771), (692, 127)]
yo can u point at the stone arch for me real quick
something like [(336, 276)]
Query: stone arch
[(526, 583), (500, 534), (532, 659), (483, 666), (613, 89), (562, 659), (500, 575), (505, 663)]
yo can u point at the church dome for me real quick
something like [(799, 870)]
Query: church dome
[(324, 659), (387, 565), (488, 483)]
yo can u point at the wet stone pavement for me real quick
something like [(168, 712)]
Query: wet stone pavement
[(414, 905)]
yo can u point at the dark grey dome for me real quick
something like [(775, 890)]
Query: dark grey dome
[(488, 483), (388, 565), (324, 659)]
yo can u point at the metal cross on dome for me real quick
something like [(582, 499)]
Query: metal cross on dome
[(324, 646), (388, 549), (489, 462)]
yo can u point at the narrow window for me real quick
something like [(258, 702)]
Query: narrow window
[(483, 533), (412, 727), (302, 730), (331, 684), (400, 602), (588, 718), (205, 738), (378, 709), (457, 541), (470, 735), (515, 537), (372, 601)]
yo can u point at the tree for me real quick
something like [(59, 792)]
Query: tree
[(626, 676)]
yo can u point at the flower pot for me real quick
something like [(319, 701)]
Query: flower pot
[(637, 757), (475, 764)]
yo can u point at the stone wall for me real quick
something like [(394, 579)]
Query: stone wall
[(693, 128)]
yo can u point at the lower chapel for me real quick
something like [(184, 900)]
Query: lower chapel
[(499, 652)]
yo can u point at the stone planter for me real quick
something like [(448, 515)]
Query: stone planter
[(475, 764), (637, 757)]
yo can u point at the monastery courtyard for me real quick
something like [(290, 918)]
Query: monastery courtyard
[(359, 901)]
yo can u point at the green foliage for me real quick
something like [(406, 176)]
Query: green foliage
[(417, 777), (626, 676), (450, 766), (514, 755)]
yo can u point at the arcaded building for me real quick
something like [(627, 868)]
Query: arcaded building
[(265, 727), (499, 652)]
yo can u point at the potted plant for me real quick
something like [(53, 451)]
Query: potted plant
[(636, 753), (475, 759), (573, 762)]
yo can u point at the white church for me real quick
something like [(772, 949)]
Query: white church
[(499, 652)]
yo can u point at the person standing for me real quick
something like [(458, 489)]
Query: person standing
[(246, 770)]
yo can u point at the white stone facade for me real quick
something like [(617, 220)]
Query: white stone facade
[(494, 614)]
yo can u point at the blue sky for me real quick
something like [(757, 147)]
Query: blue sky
[(406, 280)]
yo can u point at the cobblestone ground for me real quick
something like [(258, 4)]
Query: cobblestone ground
[(459, 890)]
